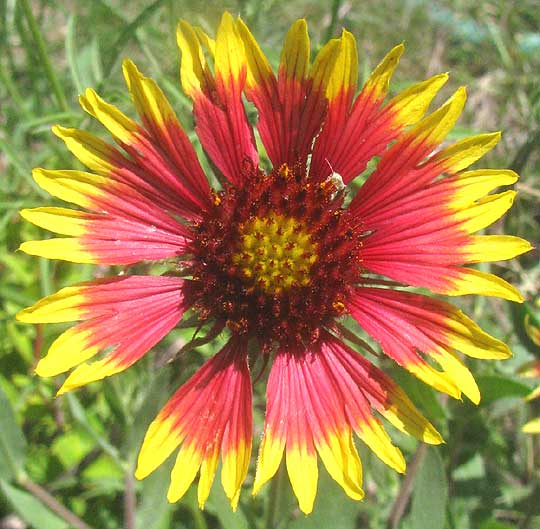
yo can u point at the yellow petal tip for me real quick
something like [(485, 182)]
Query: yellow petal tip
[(24, 316)]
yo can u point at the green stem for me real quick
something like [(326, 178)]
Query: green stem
[(43, 56), (336, 4)]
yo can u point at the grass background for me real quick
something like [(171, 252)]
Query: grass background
[(68, 462)]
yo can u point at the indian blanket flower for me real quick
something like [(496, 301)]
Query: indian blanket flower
[(277, 255)]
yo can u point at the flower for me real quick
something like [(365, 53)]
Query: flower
[(277, 256)]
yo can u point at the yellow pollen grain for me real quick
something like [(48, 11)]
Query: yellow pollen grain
[(276, 253)]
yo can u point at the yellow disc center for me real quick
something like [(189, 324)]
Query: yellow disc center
[(276, 253)]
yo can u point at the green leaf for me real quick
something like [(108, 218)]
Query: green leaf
[(30, 509), (71, 447), (12, 441), (430, 492), (154, 508), (494, 387)]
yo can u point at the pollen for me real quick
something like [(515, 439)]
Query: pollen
[(276, 253)]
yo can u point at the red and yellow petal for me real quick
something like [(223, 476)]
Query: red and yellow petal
[(161, 148), (394, 172), (420, 225), (305, 418), (354, 133), (292, 104), (101, 194), (126, 314), (430, 326), (221, 121), (210, 414), (383, 394), (102, 239), (315, 400), (165, 130), (150, 179)]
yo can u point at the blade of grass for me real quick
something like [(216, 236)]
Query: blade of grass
[(41, 49), (71, 53), (24, 170), (13, 91), (127, 34)]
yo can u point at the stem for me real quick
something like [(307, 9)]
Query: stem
[(336, 4), (130, 500), (404, 494), (43, 56), (54, 505)]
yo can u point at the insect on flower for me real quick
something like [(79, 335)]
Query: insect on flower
[(278, 256)]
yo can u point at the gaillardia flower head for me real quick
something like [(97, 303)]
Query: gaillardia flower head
[(278, 255)]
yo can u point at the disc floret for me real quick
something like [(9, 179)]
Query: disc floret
[(275, 259)]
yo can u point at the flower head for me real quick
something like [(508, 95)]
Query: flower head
[(277, 255)]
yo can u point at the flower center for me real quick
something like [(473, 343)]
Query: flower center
[(275, 258), (276, 253)]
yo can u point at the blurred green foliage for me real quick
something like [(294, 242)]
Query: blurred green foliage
[(74, 456)]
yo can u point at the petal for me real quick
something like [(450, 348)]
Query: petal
[(106, 195), (465, 152), (221, 121), (471, 185), (355, 133), (394, 176), (486, 248), (300, 456), (162, 149), (210, 413), (166, 131), (404, 323), (151, 179), (292, 106), (101, 239), (383, 394), (358, 408), (469, 281), (329, 423), (126, 314), (310, 419), (419, 221), (275, 428)]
